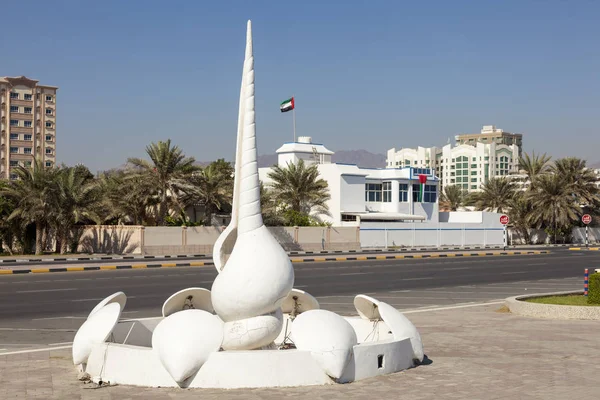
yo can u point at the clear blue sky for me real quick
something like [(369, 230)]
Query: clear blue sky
[(366, 74)]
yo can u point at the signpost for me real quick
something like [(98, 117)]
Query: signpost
[(586, 219), (504, 221)]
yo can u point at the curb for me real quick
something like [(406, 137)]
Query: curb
[(518, 306), (295, 260), (584, 248), (15, 260), (418, 256)]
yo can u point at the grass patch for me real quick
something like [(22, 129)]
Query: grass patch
[(569, 300), (503, 309)]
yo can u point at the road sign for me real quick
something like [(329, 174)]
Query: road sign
[(586, 218), (504, 219)]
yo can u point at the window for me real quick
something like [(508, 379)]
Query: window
[(14, 108), (48, 111), (27, 150), (473, 186), (14, 163), (14, 150), (14, 136), (345, 217), (26, 137), (48, 138), (14, 122), (48, 98), (48, 124), (473, 179), (14, 95), (48, 150), (429, 193), (27, 110), (28, 97), (28, 163), (372, 191), (387, 192), (403, 193), (13, 177), (27, 124), (473, 165)]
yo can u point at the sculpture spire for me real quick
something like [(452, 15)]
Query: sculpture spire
[(249, 213)]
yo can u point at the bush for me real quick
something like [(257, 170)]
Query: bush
[(594, 289)]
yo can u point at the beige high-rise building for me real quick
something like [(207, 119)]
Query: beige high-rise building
[(491, 134), (27, 124)]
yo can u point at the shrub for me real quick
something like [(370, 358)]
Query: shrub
[(594, 289)]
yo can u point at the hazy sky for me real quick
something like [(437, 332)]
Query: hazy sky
[(366, 74)]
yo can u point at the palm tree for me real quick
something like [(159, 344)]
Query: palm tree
[(520, 215), (453, 197), (580, 180), (496, 195), (269, 208), (553, 204), (299, 188), (213, 188), (74, 201), (33, 195), (169, 171), (534, 166)]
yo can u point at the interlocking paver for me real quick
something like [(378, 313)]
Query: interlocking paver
[(476, 353)]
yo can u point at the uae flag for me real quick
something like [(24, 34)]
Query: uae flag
[(287, 105)]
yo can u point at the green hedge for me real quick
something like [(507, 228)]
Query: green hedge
[(594, 289)]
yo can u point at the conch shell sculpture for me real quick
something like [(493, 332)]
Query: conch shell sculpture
[(258, 275)]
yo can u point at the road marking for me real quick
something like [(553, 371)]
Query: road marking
[(356, 273), (46, 290), (59, 344), (414, 279), (453, 307), (48, 318), (37, 329), (514, 273), (35, 350), (538, 264)]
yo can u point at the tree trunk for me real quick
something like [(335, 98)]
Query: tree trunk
[(39, 233), (64, 241)]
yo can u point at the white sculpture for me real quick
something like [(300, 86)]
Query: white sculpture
[(189, 346), (184, 340), (256, 278)]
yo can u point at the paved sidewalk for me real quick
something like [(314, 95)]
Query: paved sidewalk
[(476, 353)]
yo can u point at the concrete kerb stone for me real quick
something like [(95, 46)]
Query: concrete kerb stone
[(293, 259), (518, 306)]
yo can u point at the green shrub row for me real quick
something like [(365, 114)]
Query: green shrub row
[(594, 289)]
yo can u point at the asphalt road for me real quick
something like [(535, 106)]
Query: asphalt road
[(46, 309)]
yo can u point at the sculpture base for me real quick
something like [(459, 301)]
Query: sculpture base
[(128, 364)]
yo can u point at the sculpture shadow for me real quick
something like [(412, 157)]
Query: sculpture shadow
[(101, 241), (284, 238)]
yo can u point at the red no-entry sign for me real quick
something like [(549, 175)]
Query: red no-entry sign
[(504, 219), (586, 218)]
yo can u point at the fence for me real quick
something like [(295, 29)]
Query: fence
[(430, 235), (164, 240)]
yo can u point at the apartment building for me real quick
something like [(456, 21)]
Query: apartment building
[(27, 124), (491, 134)]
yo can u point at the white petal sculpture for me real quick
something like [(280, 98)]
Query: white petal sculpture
[(96, 329), (253, 333), (367, 307), (186, 299), (184, 340), (258, 275), (118, 297), (298, 301), (329, 338), (401, 328)]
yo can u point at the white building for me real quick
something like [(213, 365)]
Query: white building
[(469, 166), (365, 194)]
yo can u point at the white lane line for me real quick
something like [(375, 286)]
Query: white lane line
[(59, 344), (357, 273), (514, 273), (46, 290), (538, 264), (416, 279), (96, 299), (35, 350), (2, 349), (453, 307), (395, 291)]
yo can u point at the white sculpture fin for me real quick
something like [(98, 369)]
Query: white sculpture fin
[(402, 328)]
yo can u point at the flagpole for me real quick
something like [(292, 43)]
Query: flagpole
[(294, 118)]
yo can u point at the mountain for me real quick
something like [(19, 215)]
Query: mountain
[(595, 165)]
